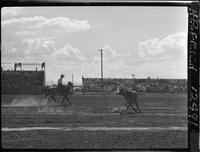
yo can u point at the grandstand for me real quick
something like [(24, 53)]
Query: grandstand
[(141, 85), (19, 81)]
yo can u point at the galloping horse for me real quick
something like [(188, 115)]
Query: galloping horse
[(52, 92), (131, 97)]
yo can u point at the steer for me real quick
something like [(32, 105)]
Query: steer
[(131, 98)]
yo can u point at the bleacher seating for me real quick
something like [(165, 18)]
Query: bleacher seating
[(141, 85), (22, 82)]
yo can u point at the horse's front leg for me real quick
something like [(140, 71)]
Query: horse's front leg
[(68, 101), (63, 101)]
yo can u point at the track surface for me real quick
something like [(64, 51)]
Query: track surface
[(94, 121)]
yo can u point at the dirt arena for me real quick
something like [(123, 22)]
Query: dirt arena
[(94, 121)]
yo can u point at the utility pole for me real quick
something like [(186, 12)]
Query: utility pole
[(72, 78), (101, 50)]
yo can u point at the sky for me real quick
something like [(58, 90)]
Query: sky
[(144, 41)]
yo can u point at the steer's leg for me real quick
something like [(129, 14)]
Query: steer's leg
[(130, 105), (127, 107), (133, 107), (138, 107)]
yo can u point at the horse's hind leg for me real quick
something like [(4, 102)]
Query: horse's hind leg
[(45, 99), (45, 96)]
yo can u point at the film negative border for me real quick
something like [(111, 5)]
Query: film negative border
[(193, 77), (193, 57)]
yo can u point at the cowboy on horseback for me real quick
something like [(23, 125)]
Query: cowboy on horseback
[(71, 86), (60, 90)]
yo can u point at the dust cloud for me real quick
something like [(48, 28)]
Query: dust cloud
[(39, 104), (48, 106), (28, 101)]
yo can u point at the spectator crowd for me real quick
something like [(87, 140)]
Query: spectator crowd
[(141, 85)]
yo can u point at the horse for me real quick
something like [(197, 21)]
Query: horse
[(65, 92), (131, 97)]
